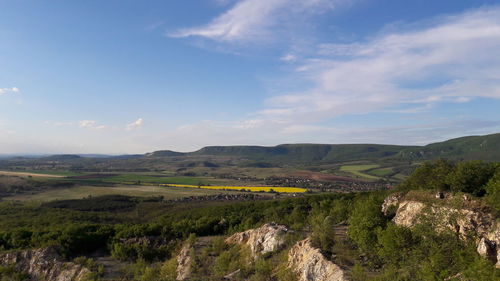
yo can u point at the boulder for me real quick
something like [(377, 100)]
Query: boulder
[(262, 240), (310, 265), (44, 265)]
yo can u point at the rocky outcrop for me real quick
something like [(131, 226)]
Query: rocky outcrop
[(310, 265), (409, 213), (262, 240), (390, 202), (466, 222), (184, 261), (44, 265)]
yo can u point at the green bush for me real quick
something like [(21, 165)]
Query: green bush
[(471, 177), (493, 191), (9, 273), (365, 219)]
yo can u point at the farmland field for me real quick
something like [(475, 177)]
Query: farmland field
[(357, 170), (31, 174), (382, 172), (247, 188), (135, 178)]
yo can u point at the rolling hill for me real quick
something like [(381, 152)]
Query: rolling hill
[(485, 148)]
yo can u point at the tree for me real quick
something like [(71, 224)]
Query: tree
[(430, 175), (394, 243), (471, 177), (364, 220), (493, 191)]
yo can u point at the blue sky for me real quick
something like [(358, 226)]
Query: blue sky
[(136, 76)]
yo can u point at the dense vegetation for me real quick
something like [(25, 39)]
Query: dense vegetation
[(474, 177), (150, 231)]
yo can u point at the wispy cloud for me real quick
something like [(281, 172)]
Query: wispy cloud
[(250, 20), (91, 124), (454, 60), (409, 70), (9, 90), (135, 125)]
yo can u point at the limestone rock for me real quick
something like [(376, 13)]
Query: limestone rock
[(487, 249), (483, 226), (44, 265), (184, 261), (262, 240), (310, 265), (391, 201)]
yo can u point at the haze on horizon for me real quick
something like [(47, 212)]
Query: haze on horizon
[(124, 77)]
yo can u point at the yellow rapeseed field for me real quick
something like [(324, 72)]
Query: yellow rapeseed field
[(251, 188)]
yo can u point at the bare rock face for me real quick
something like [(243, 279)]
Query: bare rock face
[(408, 213), (483, 226), (184, 261), (262, 240), (310, 265), (487, 249), (44, 265), (391, 201)]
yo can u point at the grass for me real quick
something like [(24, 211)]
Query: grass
[(79, 192), (382, 172), (134, 178), (251, 188), (357, 170)]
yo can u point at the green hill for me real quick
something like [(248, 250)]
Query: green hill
[(304, 153), (485, 148)]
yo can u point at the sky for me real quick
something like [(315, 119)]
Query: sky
[(127, 76)]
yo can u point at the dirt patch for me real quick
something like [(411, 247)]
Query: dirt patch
[(26, 174)]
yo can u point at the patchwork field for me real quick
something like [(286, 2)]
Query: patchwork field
[(382, 172), (358, 170), (30, 174), (243, 188)]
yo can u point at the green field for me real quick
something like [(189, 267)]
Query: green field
[(382, 172), (134, 178), (357, 170)]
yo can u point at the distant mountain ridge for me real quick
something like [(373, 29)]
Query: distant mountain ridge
[(467, 148), (485, 147)]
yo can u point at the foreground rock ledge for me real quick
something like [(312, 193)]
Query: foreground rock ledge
[(184, 262), (311, 265), (44, 265), (483, 225), (265, 239)]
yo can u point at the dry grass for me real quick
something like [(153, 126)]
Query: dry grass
[(26, 174)]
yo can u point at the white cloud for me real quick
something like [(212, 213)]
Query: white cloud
[(135, 125), (9, 90), (91, 124), (288, 58), (250, 20), (454, 60)]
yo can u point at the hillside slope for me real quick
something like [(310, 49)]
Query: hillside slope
[(485, 148)]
